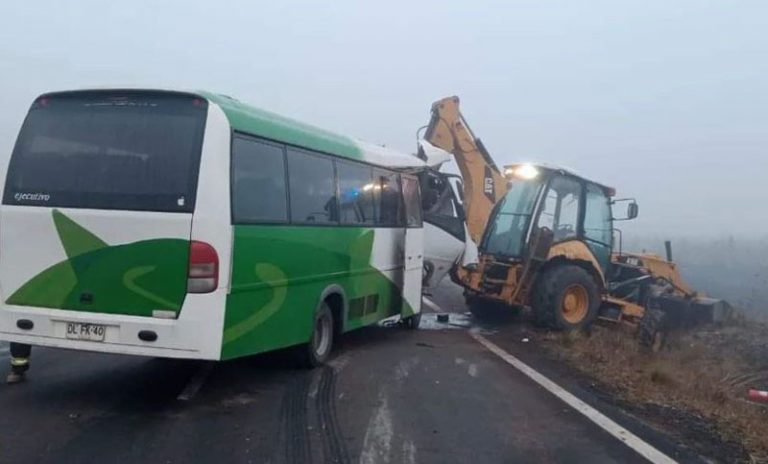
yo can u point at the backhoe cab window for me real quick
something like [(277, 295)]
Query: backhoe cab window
[(597, 217), (506, 234), (560, 212)]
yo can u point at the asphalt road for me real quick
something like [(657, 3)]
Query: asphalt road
[(389, 396)]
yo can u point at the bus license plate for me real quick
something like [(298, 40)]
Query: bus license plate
[(81, 331)]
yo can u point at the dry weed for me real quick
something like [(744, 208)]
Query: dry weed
[(706, 373)]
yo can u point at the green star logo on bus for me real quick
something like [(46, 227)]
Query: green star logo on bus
[(138, 277)]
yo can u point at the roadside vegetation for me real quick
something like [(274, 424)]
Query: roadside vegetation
[(695, 387)]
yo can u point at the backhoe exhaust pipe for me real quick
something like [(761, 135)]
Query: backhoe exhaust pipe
[(668, 247)]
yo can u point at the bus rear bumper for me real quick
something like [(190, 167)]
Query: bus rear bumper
[(176, 338)]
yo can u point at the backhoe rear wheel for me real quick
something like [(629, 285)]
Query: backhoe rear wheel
[(566, 298)]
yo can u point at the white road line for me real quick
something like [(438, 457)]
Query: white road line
[(196, 382), (624, 435)]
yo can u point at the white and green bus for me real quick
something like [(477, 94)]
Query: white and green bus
[(189, 225)]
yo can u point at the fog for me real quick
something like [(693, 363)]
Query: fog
[(666, 101), (731, 268)]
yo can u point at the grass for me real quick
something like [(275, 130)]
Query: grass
[(706, 373)]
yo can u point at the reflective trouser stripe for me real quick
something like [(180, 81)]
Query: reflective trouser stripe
[(19, 361)]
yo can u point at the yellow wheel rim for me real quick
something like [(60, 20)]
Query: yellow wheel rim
[(575, 303)]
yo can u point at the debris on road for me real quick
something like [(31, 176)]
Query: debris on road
[(760, 396), (443, 321)]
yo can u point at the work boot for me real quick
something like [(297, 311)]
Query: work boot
[(15, 377)]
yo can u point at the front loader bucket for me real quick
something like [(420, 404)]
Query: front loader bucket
[(720, 310), (682, 312)]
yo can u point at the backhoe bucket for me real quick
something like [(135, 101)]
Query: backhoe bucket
[(681, 312)]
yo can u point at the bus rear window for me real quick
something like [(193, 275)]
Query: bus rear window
[(106, 150)]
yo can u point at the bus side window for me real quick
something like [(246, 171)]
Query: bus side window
[(355, 193), (390, 207), (312, 187), (412, 202), (440, 206), (258, 182)]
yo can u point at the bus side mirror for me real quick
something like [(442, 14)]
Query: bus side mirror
[(632, 210)]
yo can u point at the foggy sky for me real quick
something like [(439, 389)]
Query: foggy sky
[(665, 100)]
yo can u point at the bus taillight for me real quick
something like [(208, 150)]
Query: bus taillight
[(203, 276)]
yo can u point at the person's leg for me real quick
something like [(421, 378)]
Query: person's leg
[(19, 362)]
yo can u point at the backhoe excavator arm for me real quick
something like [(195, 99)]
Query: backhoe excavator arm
[(484, 184)]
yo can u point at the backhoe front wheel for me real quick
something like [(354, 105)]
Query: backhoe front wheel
[(566, 298), (653, 334)]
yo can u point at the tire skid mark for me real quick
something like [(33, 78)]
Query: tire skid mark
[(377, 443), (297, 447), (334, 448), (409, 452), (403, 370), (340, 362), (380, 434)]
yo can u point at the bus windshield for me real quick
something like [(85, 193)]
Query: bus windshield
[(508, 226), (110, 150)]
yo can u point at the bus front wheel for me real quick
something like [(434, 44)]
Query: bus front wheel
[(317, 351)]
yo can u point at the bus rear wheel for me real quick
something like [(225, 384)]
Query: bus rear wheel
[(318, 350)]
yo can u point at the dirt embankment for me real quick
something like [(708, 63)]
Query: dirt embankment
[(694, 388)]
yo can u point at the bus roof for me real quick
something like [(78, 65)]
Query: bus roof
[(259, 122), (262, 123)]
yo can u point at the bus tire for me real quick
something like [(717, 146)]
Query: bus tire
[(412, 322), (318, 349), (566, 298)]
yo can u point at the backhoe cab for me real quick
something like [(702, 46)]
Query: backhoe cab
[(548, 245)]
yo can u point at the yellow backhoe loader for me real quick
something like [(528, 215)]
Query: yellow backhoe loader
[(545, 237)]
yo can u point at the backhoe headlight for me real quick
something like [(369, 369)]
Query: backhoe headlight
[(523, 171)]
